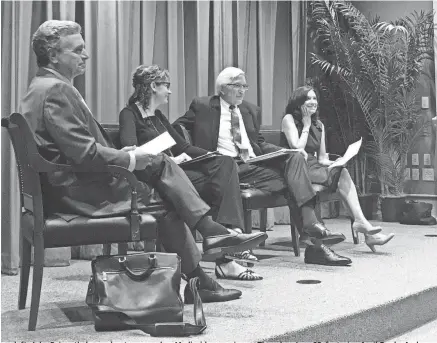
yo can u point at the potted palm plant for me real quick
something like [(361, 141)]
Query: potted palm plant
[(380, 64)]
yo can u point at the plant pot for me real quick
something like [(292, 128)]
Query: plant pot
[(368, 203), (391, 208)]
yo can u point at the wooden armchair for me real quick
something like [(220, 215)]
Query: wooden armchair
[(43, 232)]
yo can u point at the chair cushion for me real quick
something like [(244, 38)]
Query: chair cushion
[(255, 198), (84, 231)]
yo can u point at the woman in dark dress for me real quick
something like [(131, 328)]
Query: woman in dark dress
[(301, 128), (215, 179)]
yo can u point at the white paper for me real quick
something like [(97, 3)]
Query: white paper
[(158, 144), (351, 151), (273, 154)]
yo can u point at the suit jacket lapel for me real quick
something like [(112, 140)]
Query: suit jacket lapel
[(247, 120), (215, 112)]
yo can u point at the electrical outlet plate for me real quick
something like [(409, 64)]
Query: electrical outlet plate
[(428, 174), (415, 159), (427, 159), (415, 174), (425, 102)]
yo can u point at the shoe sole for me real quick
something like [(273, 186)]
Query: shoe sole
[(238, 259), (327, 240), (210, 299), (339, 264), (212, 254)]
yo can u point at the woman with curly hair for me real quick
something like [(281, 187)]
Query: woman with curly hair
[(301, 128), (216, 178)]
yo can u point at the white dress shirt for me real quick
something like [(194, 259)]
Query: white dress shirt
[(225, 144)]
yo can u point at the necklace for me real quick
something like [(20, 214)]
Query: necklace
[(149, 120)]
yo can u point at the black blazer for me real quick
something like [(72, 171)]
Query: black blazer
[(202, 121)]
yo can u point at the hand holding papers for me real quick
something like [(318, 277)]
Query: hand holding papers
[(351, 151), (181, 158), (158, 144)]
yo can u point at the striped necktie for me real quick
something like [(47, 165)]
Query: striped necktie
[(236, 134)]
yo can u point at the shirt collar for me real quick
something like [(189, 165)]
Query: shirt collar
[(225, 104), (58, 74)]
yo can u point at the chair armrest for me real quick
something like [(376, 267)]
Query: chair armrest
[(41, 165), (182, 131)]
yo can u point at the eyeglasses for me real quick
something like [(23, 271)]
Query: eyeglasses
[(166, 84), (238, 86)]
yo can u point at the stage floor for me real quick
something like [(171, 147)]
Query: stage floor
[(380, 296)]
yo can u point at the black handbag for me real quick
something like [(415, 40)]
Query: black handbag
[(416, 213), (142, 291)]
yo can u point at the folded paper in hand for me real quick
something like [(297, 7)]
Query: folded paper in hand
[(158, 144), (351, 151), (270, 155)]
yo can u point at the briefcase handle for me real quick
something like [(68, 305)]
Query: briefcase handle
[(153, 262), (179, 329)]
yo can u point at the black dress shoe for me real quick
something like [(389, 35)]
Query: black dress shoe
[(214, 293), (325, 256), (216, 246), (319, 231)]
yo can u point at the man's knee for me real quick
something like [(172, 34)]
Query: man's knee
[(226, 163)]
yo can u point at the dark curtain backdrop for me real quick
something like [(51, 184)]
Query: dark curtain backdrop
[(194, 40)]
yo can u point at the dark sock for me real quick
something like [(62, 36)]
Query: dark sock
[(308, 214), (205, 282), (207, 227)]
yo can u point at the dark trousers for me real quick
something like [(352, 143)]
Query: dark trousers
[(277, 175), (184, 204), (218, 184)]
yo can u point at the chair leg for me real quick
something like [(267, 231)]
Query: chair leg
[(294, 231), (355, 235), (26, 252), (248, 221), (106, 249), (122, 248), (38, 268), (150, 245), (263, 223), (158, 245)]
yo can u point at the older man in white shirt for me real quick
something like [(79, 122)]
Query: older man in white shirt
[(228, 124)]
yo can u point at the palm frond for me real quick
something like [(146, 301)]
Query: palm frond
[(380, 65)]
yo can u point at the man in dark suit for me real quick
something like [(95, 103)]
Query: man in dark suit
[(66, 132), (228, 124)]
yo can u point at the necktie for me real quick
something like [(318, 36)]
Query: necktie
[(236, 134)]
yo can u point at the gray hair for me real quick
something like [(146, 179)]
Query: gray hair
[(227, 75), (48, 35)]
